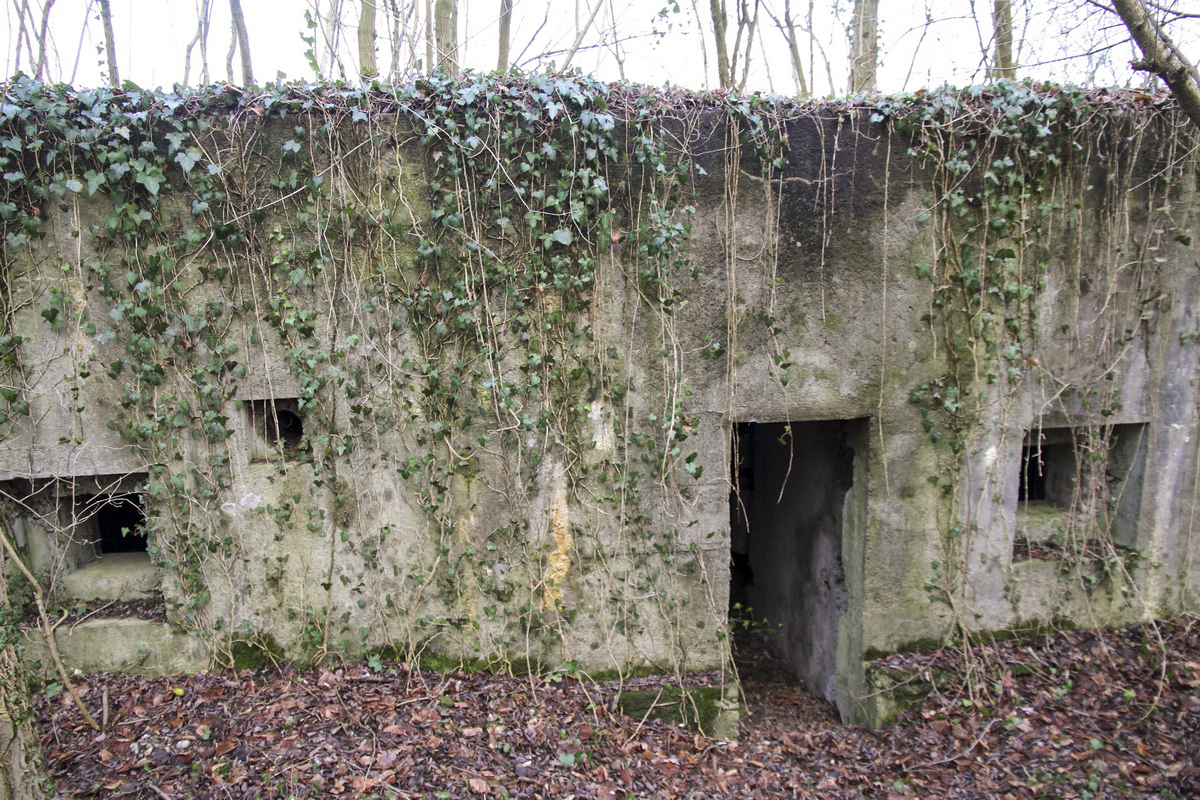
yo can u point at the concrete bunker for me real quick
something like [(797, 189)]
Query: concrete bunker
[(788, 520)]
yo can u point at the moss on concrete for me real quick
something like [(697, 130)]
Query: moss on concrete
[(255, 652), (700, 708)]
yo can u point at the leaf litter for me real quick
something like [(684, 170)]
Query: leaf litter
[(1076, 714)]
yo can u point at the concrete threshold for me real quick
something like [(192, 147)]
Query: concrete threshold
[(139, 646), (114, 577)]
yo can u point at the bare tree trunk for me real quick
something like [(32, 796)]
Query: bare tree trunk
[(233, 39), (23, 36), (42, 43), (402, 29), (397, 40), (720, 24), (505, 35), (243, 40), (204, 11), (864, 46), (789, 33), (114, 78), (1003, 64), (87, 14), (748, 24), (429, 62), (1160, 56), (332, 30), (582, 32), (445, 24), (367, 67)]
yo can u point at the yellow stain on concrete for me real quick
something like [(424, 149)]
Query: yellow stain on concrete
[(560, 559)]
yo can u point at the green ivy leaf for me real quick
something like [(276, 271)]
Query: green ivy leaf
[(291, 145), (187, 159), (563, 236), (94, 180), (151, 182)]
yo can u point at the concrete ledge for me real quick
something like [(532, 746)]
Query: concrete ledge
[(121, 645), (116, 576), (1045, 590)]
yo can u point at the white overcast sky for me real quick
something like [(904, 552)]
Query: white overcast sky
[(922, 44)]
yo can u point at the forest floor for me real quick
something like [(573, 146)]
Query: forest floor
[(1075, 714)]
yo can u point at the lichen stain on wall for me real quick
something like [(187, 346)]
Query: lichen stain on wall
[(559, 560)]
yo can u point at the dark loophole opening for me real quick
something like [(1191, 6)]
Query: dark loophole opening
[(119, 524), (1033, 478), (286, 426), (1049, 468), (280, 424)]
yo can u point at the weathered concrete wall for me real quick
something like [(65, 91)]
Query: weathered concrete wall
[(494, 465)]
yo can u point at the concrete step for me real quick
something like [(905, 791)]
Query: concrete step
[(123, 644), (114, 576)]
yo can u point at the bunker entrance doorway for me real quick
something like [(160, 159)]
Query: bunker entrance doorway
[(787, 515), (119, 521)]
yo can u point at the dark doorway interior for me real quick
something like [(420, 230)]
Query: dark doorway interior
[(119, 522), (786, 517)]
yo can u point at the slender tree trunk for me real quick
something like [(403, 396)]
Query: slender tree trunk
[(720, 23), (864, 46), (505, 35), (580, 34), (402, 32), (1003, 64), (445, 24), (333, 32), (23, 36), (748, 24), (430, 64), (204, 10), (243, 41), (1160, 56), (229, 55), (789, 32), (42, 40), (367, 67), (396, 39), (114, 78), (87, 12), (206, 21)]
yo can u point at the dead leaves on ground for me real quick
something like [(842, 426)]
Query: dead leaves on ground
[(1078, 715)]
